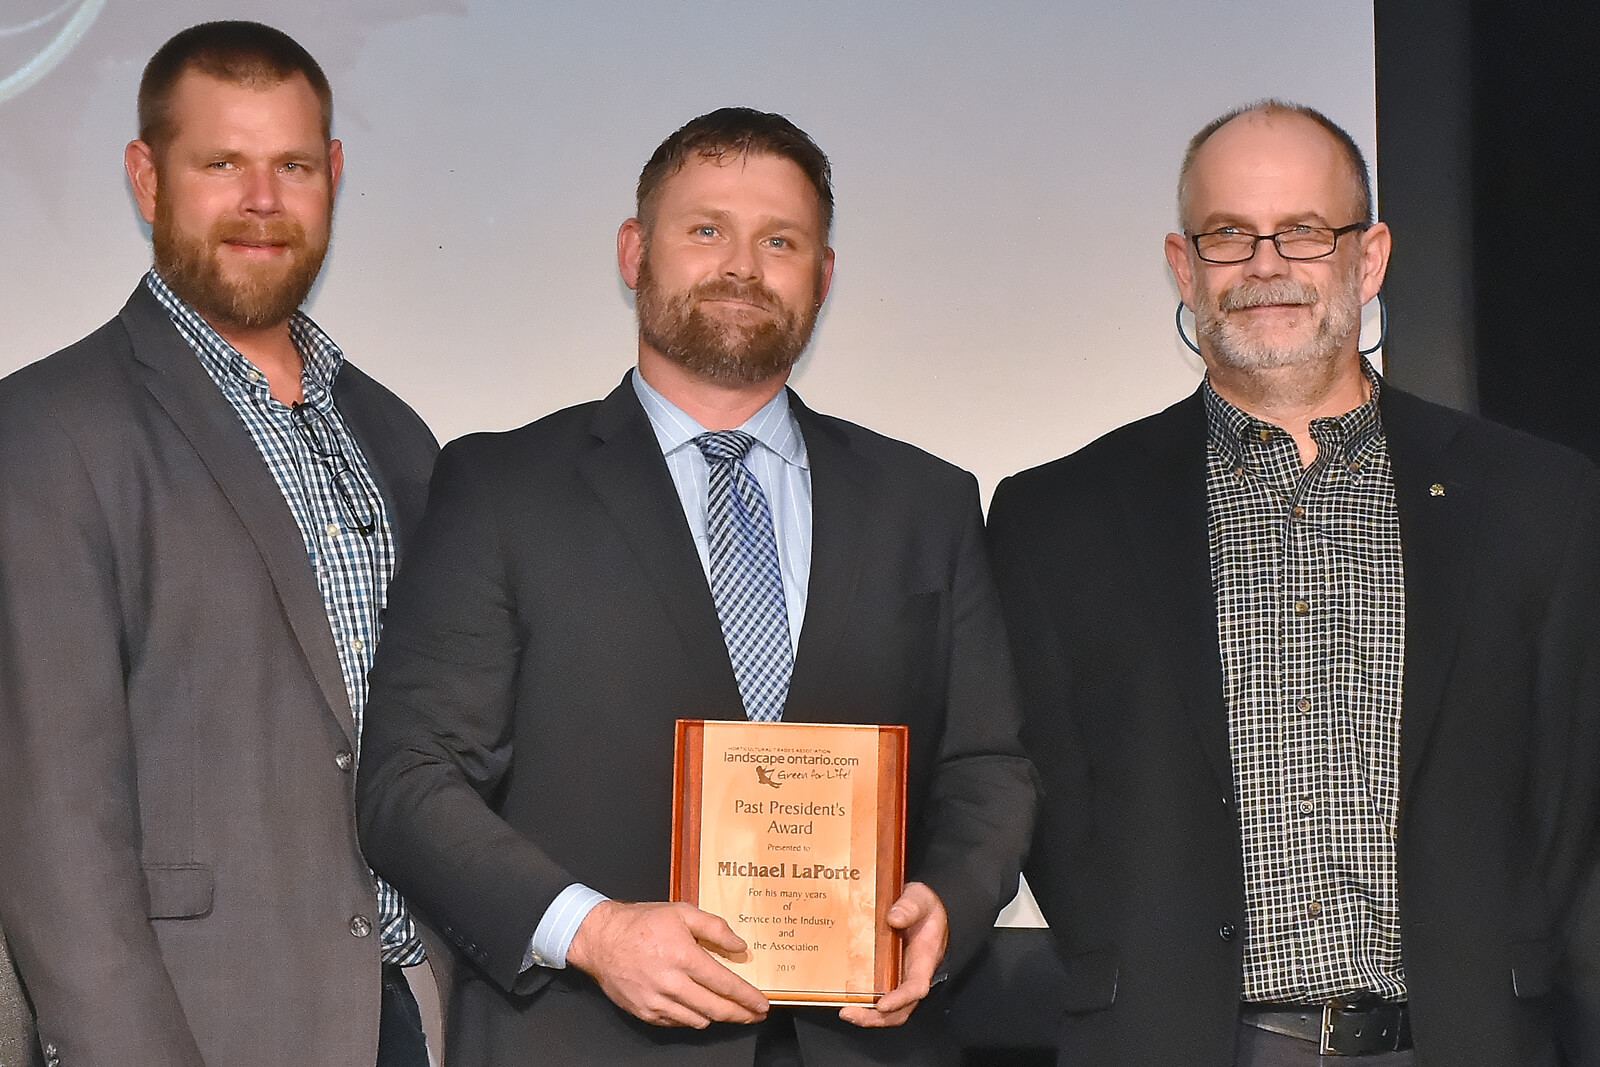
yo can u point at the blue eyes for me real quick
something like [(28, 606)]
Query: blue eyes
[(708, 231)]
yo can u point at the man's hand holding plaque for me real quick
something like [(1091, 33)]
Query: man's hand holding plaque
[(920, 918), (655, 961)]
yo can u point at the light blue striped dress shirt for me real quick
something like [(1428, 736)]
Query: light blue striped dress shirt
[(780, 465)]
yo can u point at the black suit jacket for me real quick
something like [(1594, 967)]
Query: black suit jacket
[(178, 859), (551, 624), (1104, 568)]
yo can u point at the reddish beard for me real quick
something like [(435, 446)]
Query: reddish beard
[(266, 295), (675, 325)]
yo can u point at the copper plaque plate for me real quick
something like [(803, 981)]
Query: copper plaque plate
[(794, 833)]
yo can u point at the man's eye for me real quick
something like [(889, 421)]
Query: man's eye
[(778, 242), (705, 231)]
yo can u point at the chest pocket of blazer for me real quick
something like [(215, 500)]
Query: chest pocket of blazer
[(180, 890)]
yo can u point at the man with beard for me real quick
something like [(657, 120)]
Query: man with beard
[(203, 503), (697, 545), (1308, 667)]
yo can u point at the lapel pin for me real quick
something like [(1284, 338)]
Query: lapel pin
[(1436, 489)]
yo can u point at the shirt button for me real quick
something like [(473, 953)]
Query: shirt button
[(1302, 608), (1307, 806), (359, 926), (1305, 704), (1298, 512), (254, 375), (1314, 908), (344, 760), (334, 530), (1265, 435), (1355, 465), (1227, 932), (359, 644)]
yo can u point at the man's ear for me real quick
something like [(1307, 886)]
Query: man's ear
[(139, 160), (1376, 243), (1177, 249), (630, 251), (335, 166)]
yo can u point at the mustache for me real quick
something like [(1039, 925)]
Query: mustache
[(728, 289), (1261, 294), (278, 232)]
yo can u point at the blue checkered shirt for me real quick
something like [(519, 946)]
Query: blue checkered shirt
[(352, 571)]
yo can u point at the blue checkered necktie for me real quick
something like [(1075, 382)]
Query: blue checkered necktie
[(745, 580)]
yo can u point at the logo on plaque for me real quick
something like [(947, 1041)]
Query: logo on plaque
[(805, 877)]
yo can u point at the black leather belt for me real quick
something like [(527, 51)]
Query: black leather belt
[(1362, 1025)]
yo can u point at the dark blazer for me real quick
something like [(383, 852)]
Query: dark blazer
[(1104, 568), (554, 620), (179, 870)]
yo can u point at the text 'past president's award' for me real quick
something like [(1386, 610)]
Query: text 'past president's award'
[(794, 833)]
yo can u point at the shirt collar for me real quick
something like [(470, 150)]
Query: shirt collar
[(1233, 432), (322, 358), (773, 425)]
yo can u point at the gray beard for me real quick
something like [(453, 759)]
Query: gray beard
[(1235, 347)]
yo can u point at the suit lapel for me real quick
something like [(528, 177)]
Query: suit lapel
[(174, 377), (627, 472), (1437, 495), (1164, 506), (842, 506)]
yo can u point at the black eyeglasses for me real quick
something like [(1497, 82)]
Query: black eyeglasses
[(320, 436), (1300, 243)]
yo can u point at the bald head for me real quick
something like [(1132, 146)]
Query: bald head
[(1274, 127)]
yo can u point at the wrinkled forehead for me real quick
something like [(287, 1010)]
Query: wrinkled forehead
[(1268, 169)]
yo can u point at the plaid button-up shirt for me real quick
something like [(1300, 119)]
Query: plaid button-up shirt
[(330, 490), (1306, 565)]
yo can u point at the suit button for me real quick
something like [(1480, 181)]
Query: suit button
[(360, 926), (1227, 932), (344, 761)]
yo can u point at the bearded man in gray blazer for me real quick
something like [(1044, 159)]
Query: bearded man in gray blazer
[(203, 503)]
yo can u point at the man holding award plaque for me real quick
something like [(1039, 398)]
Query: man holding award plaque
[(689, 579)]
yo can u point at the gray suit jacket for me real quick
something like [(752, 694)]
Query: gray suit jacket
[(18, 1048), (179, 871)]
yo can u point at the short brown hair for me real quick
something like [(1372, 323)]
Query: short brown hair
[(729, 133), (1271, 107), (240, 53)]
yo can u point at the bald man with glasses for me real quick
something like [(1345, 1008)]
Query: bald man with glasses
[(1309, 669)]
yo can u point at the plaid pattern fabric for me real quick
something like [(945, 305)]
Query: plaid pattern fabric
[(1306, 564), (746, 583), (352, 570)]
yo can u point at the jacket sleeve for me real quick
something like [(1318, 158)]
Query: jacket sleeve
[(438, 733), (983, 792), (73, 897)]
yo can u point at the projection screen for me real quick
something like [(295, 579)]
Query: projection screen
[(1004, 175)]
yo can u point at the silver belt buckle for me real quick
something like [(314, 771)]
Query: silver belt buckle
[(1323, 1038)]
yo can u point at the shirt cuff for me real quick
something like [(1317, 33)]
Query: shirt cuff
[(554, 934)]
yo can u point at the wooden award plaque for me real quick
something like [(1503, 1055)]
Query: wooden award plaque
[(794, 833)]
